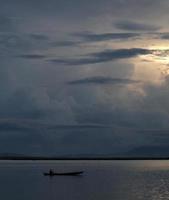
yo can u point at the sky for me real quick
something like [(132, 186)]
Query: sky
[(84, 77)]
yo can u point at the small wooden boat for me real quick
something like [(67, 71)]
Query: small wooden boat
[(63, 173)]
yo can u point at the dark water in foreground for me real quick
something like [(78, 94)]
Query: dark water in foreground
[(102, 180)]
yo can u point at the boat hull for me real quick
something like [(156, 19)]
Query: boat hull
[(63, 174)]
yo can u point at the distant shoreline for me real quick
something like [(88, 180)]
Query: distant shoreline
[(83, 158)]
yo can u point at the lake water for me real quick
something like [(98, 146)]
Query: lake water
[(102, 180)]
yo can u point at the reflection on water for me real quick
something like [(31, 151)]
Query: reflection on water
[(108, 180)]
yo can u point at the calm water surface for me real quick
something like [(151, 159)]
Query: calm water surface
[(102, 180)]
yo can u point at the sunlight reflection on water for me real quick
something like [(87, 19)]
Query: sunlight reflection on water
[(119, 180)]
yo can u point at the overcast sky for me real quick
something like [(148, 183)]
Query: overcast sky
[(84, 76)]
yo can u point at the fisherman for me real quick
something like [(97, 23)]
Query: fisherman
[(51, 172)]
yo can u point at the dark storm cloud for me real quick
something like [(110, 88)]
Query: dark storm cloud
[(121, 116), (6, 24), (91, 37), (77, 8), (105, 56), (13, 41), (27, 125), (31, 29), (69, 9), (77, 127), (66, 43), (23, 44), (12, 125), (31, 56), (100, 80), (151, 150), (39, 37), (136, 26), (164, 36), (94, 37), (158, 136), (22, 104), (87, 37)]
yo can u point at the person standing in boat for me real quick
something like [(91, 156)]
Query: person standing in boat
[(51, 172)]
